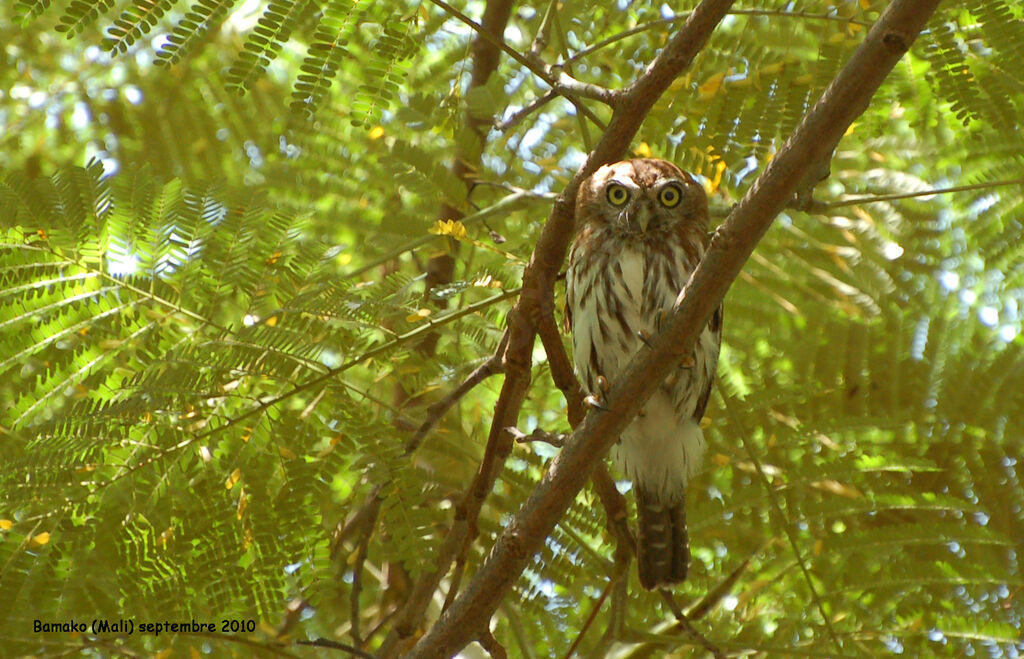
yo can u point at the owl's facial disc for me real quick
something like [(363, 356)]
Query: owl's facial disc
[(642, 202)]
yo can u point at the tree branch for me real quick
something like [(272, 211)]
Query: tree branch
[(825, 206), (435, 412), (516, 117), (643, 27), (538, 69), (844, 100)]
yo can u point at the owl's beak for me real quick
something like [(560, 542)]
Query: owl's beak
[(639, 216)]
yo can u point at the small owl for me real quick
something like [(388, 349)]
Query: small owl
[(642, 230)]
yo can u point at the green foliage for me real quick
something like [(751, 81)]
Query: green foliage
[(205, 16), (266, 39), (134, 22), (214, 335)]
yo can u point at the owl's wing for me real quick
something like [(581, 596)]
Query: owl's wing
[(715, 325), (567, 308)]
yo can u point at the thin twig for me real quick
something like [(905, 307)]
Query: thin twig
[(357, 521), (499, 444), (620, 601), (565, 84), (595, 609), (821, 206), (563, 43), (455, 582), (716, 594), (384, 620), (643, 27), (369, 524), (538, 435), (684, 623), (540, 40), (516, 117), (293, 612), (562, 372), (436, 411), (538, 71), (615, 512), (335, 645)]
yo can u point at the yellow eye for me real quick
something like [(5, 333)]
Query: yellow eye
[(617, 194), (669, 196)]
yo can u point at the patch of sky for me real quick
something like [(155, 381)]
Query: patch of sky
[(920, 339), (80, 115), (572, 159)]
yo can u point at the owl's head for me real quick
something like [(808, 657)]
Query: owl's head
[(645, 197)]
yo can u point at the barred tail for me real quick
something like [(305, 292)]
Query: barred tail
[(663, 550)]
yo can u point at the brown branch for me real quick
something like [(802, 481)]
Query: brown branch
[(499, 446), (513, 120), (538, 435), (384, 620), (844, 100), (486, 56), (367, 512), (491, 644), (683, 623), (617, 610), (440, 270), (362, 548), (540, 40), (535, 302), (684, 619), (565, 84), (562, 372), (615, 512), (460, 569)]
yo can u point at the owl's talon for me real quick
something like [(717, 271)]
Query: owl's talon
[(688, 362), (594, 401), (603, 385), (645, 337)]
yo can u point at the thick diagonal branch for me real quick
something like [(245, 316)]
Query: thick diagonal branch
[(843, 101)]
